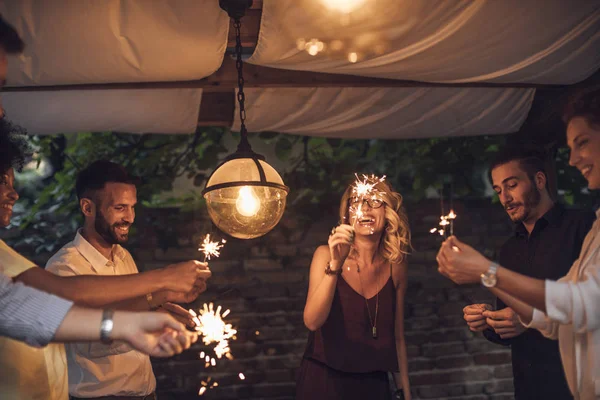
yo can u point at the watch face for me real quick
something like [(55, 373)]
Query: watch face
[(107, 325), (488, 280)]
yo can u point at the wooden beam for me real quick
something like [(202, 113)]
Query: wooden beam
[(217, 108), (226, 79)]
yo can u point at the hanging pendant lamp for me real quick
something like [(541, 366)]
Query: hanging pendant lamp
[(244, 195)]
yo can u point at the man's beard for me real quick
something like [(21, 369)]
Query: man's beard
[(532, 199), (107, 231)]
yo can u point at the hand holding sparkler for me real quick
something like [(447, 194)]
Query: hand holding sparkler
[(460, 262), (340, 242), (184, 276)]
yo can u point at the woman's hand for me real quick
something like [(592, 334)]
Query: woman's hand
[(340, 241), (460, 262)]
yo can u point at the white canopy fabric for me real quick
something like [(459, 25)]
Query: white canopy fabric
[(108, 41), (451, 41), (120, 110), (387, 113)]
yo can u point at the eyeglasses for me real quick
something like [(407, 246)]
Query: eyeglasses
[(373, 202)]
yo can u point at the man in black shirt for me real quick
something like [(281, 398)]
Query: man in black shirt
[(546, 242)]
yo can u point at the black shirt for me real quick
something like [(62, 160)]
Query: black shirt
[(548, 253)]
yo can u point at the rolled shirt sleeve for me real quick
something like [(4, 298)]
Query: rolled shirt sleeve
[(28, 314), (542, 323), (576, 302)]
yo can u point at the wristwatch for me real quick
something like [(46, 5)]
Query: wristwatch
[(489, 279), (106, 326)]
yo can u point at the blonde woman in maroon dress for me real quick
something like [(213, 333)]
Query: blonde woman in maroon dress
[(355, 303)]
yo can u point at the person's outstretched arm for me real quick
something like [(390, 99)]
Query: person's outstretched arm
[(99, 291), (37, 318), (155, 334)]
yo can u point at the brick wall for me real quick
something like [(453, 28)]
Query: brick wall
[(264, 283)]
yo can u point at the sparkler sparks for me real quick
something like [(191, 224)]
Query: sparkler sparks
[(213, 329), (211, 249), (445, 220), (366, 186)]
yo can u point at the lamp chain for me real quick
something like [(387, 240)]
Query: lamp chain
[(239, 64)]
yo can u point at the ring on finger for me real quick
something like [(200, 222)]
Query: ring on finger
[(333, 230)]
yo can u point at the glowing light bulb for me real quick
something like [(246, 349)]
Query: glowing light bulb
[(345, 6), (314, 47), (352, 57), (247, 203)]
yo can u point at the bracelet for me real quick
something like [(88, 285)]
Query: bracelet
[(149, 299), (399, 394), (329, 271)]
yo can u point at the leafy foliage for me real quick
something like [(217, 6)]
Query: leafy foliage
[(317, 171), (52, 213)]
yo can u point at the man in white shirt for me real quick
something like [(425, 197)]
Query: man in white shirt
[(107, 198)]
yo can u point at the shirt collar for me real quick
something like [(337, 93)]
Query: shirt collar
[(91, 254), (552, 216)]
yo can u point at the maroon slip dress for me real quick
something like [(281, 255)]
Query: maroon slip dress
[(342, 359)]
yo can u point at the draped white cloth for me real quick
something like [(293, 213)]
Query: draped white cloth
[(452, 41), (387, 113), (120, 110), (91, 41)]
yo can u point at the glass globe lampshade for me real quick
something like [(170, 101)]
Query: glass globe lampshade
[(245, 196)]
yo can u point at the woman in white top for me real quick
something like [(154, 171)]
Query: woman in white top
[(567, 309)]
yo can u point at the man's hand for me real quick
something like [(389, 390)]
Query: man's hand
[(188, 297), (184, 276), (473, 314), (155, 334), (504, 322), (179, 313)]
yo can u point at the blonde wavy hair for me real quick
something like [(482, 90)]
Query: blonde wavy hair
[(395, 243)]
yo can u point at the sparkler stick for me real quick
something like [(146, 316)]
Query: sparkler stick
[(211, 249)]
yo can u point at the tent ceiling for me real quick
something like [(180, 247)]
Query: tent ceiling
[(90, 41), (79, 49), (388, 113), (448, 41)]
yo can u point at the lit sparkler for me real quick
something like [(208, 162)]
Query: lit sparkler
[(212, 328), (211, 249), (445, 220), (364, 188)]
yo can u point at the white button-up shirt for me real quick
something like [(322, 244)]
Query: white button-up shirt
[(97, 369), (573, 316)]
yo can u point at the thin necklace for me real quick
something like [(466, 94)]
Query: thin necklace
[(372, 321)]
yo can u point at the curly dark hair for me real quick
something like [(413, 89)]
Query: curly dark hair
[(586, 104), (15, 149), (10, 40)]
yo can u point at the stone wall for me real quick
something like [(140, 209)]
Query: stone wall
[(264, 283)]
